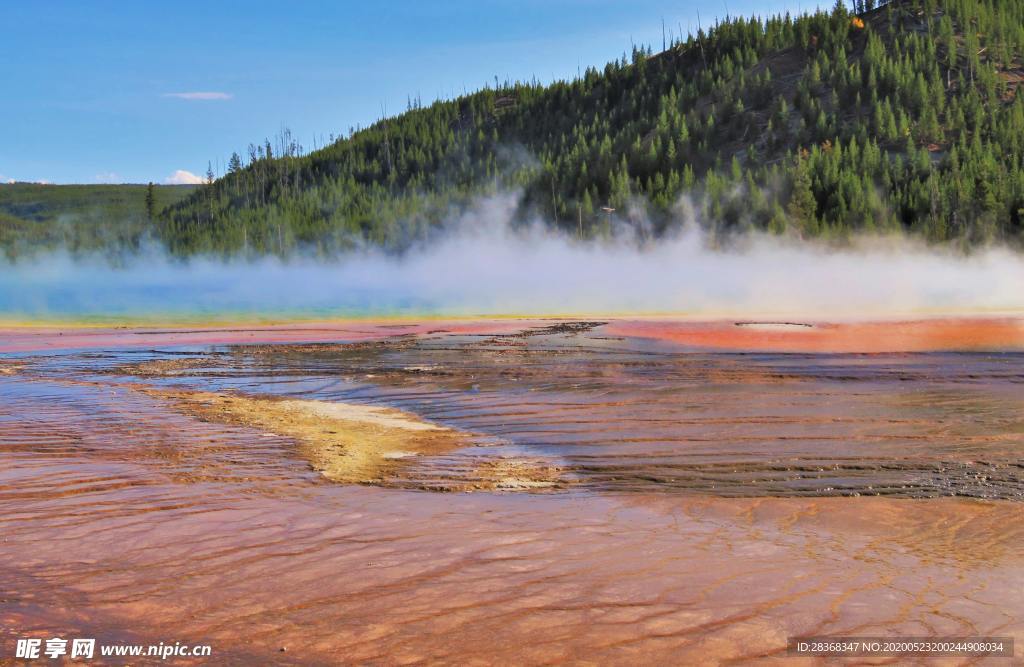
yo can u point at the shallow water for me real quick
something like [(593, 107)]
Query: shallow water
[(706, 509), (634, 415)]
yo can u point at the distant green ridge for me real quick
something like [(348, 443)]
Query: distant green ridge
[(80, 218)]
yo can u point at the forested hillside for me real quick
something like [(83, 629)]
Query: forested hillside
[(900, 117), (81, 218)]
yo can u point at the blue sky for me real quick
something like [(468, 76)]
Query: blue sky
[(100, 91)]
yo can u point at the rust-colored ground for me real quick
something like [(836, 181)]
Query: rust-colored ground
[(155, 496), (921, 335), (896, 336)]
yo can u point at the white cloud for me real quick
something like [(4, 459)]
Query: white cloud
[(182, 177), (107, 177), (200, 95)]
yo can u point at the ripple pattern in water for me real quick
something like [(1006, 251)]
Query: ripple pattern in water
[(627, 415), (124, 520)]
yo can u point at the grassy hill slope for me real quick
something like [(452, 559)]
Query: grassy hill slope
[(81, 218)]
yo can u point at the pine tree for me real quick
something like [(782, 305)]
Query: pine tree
[(235, 163), (150, 202), (803, 207)]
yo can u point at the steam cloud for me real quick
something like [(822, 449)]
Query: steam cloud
[(487, 266)]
